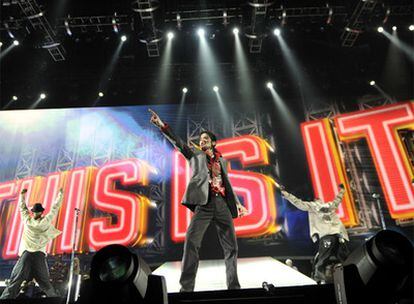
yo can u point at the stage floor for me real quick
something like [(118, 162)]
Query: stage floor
[(252, 273)]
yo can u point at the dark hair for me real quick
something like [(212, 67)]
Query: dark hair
[(210, 134)]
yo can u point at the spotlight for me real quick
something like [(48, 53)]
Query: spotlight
[(114, 24), (372, 82), (216, 89), (6, 26), (380, 29), (378, 271), (269, 85), (119, 276), (42, 96), (225, 19), (178, 21), (170, 35), (200, 32), (123, 38), (276, 32), (185, 90), (100, 94), (16, 42), (411, 27), (15, 98), (235, 31), (1, 44), (394, 28), (68, 31)]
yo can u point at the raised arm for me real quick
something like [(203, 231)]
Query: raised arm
[(176, 141), (297, 202), (55, 207), (339, 196), (24, 211)]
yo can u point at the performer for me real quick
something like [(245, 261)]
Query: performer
[(210, 196), (37, 232), (327, 229)]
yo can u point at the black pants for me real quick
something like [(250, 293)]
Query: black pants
[(330, 252), (30, 265), (216, 210)]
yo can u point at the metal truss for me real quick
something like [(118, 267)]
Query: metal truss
[(195, 126), (310, 12), (369, 102), (102, 151), (44, 163), (97, 23), (356, 23), (324, 110), (220, 14), (157, 196), (359, 171), (356, 156), (246, 123), (26, 162), (66, 159), (401, 10), (36, 17), (250, 123), (151, 35), (12, 24), (257, 28)]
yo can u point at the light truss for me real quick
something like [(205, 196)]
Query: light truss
[(36, 17), (357, 21)]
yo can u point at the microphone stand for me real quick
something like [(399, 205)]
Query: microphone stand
[(72, 255)]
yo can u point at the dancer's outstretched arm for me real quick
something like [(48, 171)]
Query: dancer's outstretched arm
[(297, 202), (172, 138)]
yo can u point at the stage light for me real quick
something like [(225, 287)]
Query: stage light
[(119, 276), (42, 96), (216, 89), (6, 26), (235, 31), (16, 42), (68, 31), (200, 32), (114, 23), (276, 32), (170, 35), (100, 94), (15, 98), (411, 27), (178, 18), (225, 19), (123, 38), (372, 83), (269, 85), (394, 28), (378, 271), (380, 29), (185, 90), (1, 44)]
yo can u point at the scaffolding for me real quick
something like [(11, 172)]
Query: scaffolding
[(35, 15), (150, 35), (359, 170), (356, 23), (256, 30)]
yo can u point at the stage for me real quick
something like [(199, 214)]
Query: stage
[(252, 273)]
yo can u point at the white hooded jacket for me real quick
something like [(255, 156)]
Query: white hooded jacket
[(323, 219), (38, 233)]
